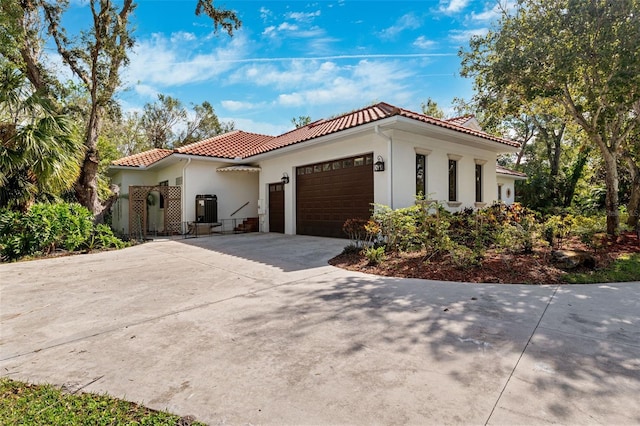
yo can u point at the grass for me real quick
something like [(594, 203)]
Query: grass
[(27, 404), (625, 268)]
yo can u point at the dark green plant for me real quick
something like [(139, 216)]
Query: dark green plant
[(375, 255), (47, 227)]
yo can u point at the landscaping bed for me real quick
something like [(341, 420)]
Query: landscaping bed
[(496, 267)]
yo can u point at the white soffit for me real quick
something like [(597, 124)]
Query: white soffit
[(239, 168)]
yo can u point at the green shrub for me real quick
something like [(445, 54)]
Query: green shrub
[(590, 229), (375, 255), (46, 227), (102, 237), (463, 257), (355, 230)]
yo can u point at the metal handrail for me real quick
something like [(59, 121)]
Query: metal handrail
[(243, 206)]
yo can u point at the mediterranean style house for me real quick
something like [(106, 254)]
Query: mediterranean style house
[(311, 179)]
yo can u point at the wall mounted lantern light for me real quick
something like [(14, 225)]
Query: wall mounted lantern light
[(285, 178), (378, 166)]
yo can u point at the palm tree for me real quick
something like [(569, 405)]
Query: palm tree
[(40, 150)]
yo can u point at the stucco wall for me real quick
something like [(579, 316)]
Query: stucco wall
[(508, 189), (233, 189), (405, 148), (395, 186), (273, 168)]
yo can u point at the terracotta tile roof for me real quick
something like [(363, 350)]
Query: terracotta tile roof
[(449, 125), (504, 171), (239, 144), (460, 121), (363, 116), (228, 145), (328, 126), (143, 159)]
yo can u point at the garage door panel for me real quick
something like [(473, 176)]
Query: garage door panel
[(330, 193)]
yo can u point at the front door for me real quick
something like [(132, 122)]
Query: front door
[(276, 207)]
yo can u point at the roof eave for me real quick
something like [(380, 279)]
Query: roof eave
[(511, 176)]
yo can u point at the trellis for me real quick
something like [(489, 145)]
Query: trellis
[(138, 209)]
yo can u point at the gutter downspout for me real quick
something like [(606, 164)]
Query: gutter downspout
[(184, 195), (390, 161)]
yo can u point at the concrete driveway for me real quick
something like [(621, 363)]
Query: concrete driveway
[(258, 329)]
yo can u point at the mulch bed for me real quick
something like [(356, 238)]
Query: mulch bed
[(534, 268)]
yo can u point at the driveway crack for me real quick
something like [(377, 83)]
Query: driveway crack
[(521, 355)]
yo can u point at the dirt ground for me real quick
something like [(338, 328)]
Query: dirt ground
[(535, 268)]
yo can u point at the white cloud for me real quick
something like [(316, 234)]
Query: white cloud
[(167, 61), (265, 13), (181, 36), (146, 91), (463, 36), (406, 22), (291, 99), (493, 13), (452, 6), (285, 26), (358, 83), (269, 30), (232, 105), (302, 16), (422, 43), (261, 127)]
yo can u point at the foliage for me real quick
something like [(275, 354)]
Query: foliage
[(95, 56), (463, 236), (47, 227), (626, 268), (301, 121), (432, 109), (355, 230), (39, 148), (422, 226), (582, 55), (375, 255), (22, 403)]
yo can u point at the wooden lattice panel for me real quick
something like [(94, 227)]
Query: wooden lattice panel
[(173, 209), (138, 209)]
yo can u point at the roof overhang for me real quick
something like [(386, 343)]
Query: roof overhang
[(443, 133), (510, 176), (239, 168)]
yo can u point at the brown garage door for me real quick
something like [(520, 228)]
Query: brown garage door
[(276, 207), (331, 192)]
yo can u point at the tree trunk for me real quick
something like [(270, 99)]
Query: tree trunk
[(86, 187), (611, 200), (576, 173), (633, 208)]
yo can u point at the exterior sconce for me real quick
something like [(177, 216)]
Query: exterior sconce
[(378, 166), (285, 178)]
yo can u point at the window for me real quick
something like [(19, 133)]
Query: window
[(499, 192), (453, 180), (179, 181), (478, 183), (421, 175)]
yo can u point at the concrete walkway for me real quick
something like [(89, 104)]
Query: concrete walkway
[(258, 329)]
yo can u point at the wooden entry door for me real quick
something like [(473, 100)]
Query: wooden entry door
[(276, 207)]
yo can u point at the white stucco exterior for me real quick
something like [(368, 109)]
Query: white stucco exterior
[(396, 185), (195, 177), (396, 139)]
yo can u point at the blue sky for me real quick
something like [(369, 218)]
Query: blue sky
[(293, 58)]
